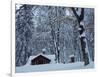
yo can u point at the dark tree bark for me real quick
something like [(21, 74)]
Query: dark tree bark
[(58, 23), (83, 43)]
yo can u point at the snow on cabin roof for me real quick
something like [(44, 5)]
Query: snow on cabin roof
[(47, 56), (72, 55), (51, 57)]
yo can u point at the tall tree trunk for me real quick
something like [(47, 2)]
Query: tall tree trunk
[(82, 38), (58, 26)]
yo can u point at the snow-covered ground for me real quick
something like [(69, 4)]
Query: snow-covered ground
[(53, 67)]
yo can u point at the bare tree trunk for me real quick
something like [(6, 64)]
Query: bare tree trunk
[(58, 25), (83, 43)]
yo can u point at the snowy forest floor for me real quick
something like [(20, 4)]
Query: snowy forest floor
[(53, 67)]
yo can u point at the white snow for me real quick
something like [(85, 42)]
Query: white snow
[(18, 6), (67, 12), (79, 28), (82, 23), (72, 55), (53, 67), (82, 35), (44, 49)]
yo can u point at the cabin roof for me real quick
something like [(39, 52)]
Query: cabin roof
[(40, 56)]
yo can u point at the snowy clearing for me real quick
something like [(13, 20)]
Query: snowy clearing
[(53, 67)]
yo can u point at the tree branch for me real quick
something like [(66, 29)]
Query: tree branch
[(81, 17), (74, 11)]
